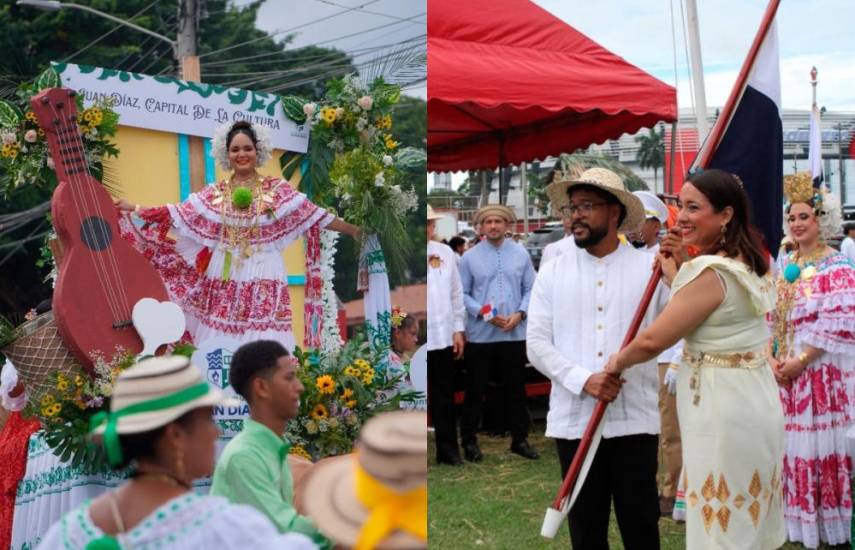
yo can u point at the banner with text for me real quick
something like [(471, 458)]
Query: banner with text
[(172, 105)]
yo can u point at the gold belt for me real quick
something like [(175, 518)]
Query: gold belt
[(747, 360)]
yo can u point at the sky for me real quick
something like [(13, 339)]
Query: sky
[(373, 23), (810, 33)]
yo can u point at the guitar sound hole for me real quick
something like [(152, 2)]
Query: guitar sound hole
[(95, 233)]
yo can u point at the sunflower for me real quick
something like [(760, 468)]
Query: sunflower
[(362, 364), (368, 375), (390, 143), (352, 371), (78, 380), (319, 412), (346, 394), (31, 116), (51, 410), (47, 400), (328, 115), (350, 404), (62, 384), (325, 384)]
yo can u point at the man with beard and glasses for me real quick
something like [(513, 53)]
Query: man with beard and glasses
[(497, 275), (581, 307)]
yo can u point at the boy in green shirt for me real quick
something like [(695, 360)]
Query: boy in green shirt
[(253, 468)]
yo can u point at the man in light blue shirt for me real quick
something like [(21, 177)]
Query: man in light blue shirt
[(497, 276)]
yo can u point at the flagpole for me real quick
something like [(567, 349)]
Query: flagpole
[(705, 156), (694, 33)]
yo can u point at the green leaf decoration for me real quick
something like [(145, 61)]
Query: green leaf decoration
[(293, 107), (10, 115), (48, 79), (289, 162), (410, 158)]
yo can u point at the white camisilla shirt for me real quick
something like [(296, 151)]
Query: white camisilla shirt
[(553, 250), (445, 312), (581, 307)]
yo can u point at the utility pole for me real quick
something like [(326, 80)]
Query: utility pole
[(188, 22)]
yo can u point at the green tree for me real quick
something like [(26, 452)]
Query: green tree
[(651, 151)]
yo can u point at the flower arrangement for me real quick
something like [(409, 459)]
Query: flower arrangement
[(355, 161), (74, 397), (342, 391), (24, 154)]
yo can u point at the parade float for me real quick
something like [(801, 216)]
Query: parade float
[(109, 307)]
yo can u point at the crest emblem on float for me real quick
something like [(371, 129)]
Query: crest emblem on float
[(219, 361)]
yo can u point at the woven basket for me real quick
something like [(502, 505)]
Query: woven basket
[(38, 352)]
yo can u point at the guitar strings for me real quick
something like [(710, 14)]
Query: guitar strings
[(62, 130), (110, 253)]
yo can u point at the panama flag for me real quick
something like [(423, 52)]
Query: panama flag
[(815, 149), (747, 139)]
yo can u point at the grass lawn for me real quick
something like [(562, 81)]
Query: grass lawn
[(500, 502)]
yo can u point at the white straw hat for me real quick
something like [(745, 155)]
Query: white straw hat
[(601, 178), (151, 394)]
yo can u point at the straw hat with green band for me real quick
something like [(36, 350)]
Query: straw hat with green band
[(151, 394)]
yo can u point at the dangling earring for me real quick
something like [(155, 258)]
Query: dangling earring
[(179, 464), (723, 241)]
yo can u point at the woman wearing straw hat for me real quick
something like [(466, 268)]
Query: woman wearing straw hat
[(376, 497), (160, 424)]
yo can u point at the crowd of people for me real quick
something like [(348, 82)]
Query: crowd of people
[(740, 377)]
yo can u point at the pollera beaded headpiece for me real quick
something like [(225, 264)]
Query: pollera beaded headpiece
[(799, 188), (219, 149)]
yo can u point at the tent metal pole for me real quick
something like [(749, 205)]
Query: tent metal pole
[(524, 187)]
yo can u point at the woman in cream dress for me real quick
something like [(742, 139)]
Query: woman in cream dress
[(731, 419)]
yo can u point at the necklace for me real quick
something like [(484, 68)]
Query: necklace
[(240, 217), (793, 282), (165, 478)]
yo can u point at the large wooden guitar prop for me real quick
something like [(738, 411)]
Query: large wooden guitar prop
[(101, 278)]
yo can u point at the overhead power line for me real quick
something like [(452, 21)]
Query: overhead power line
[(271, 35)]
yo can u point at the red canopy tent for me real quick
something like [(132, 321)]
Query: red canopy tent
[(508, 82)]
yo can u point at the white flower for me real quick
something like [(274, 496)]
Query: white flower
[(50, 163), (9, 138), (31, 136), (310, 108), (361, 123), (387, 160), (379, 179), (346, 197), (365, 102), (339, 112)]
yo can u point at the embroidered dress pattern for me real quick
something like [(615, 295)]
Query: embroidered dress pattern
[(732, 468), (818, 404), (224, 266)]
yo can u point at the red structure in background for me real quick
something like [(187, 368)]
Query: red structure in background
[(508, 82), (685, 150)]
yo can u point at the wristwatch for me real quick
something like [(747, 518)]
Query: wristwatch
[(523, 313)]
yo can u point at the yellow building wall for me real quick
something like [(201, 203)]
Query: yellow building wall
[(148, 172)]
